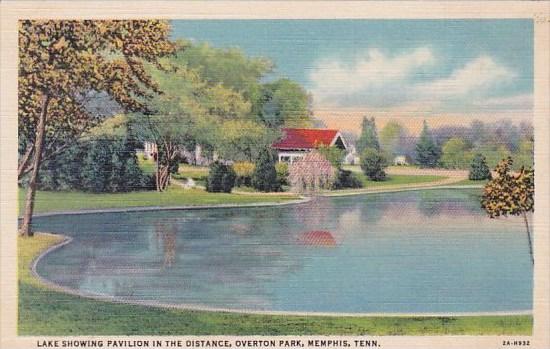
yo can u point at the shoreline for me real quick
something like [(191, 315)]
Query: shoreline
[(198, 307), (302, 199)]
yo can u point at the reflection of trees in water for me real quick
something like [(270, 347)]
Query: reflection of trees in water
[(437, 203), (166, 234)]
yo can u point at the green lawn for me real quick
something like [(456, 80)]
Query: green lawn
[(49, 201), (146, 165), (471, 182), (392, 180), (44, 312)]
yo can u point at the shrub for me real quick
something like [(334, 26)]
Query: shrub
[(479, 169), (244, 171), (221, 178), (311, 172), (346, 179), (333, 154), (281, 168), (101, 164), (373, 164), (264, 177)]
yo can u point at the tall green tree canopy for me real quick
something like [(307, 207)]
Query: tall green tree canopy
[(456, 154), (392, 135), (369, 136), (285, 103), (62, 63), (427, 151)]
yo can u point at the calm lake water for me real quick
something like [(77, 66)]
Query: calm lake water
[(418, 251)]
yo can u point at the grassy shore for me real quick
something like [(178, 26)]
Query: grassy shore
[(51, 201), (46, 312), (393, 180)]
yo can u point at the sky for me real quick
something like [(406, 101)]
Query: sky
[(403, 68)]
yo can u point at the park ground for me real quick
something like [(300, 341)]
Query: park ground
[(43, 311)]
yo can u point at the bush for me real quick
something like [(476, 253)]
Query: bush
[(479, 169), (346, 179), (264, 177), (221, 178), (281, 168), (373, 164), (312, 172), (244, 171), (106, 164)]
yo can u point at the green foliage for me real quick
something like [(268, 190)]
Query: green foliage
[(373, 164), (368, 137), (479, 169), (493, 152), (427, 152), (98, 165), (333, 154), (346, 179), (282, 173), (456, 154), (285, 103), (265, 175), (243, 139), (244, 171), (391, 137), (221, 178), (524, 156)]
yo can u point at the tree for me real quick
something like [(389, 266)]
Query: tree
[(243, 139), (285, 103), (373, 164), (479, 169), (312, 172), (511, 194), (456, 154), (392, 137), (62, 65), (221, 178), (427, 152), (368, 137), (264, 177)]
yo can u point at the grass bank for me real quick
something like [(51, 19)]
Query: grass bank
[(393, 180), (46, 312), (52, 201)]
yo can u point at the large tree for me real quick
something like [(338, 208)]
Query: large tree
[(369, 136), (64, 62), (511, 194), (285, 103), (427, 151)]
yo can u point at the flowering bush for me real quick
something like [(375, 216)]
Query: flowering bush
[(312, 172)]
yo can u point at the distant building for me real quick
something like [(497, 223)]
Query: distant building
[(400, 160), (351, 158), (298, 141)]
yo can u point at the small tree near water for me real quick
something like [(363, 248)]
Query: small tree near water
[(221, 178), (373, 163), (479, 169), (264, 177), (511, 194)]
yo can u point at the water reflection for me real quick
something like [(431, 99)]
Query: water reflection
[(166, 234), (413, 251)]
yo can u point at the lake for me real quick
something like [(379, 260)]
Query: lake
[(429, 251)]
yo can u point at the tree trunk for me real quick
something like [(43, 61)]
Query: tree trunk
[(31, 190), (529, 237)]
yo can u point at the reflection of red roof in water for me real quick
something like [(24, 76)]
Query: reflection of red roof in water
[(305, 138), (317, 238)]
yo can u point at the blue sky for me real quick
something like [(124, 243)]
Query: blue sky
[(455, 67)]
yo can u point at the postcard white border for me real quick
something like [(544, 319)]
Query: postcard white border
[(11, 11)]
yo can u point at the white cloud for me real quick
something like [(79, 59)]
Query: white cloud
[(333, 80), (479, 74), (406, 82)]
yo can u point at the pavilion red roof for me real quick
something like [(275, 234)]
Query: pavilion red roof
[(305, 138)]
